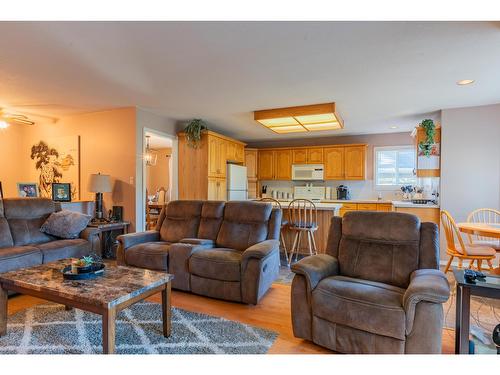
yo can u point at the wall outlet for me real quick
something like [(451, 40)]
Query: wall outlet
[(131, 180)]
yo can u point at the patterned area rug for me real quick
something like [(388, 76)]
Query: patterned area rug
[(49, 329)]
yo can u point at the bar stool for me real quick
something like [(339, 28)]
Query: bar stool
[(284, 223), (302, 217)]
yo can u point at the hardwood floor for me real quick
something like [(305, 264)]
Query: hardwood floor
[(272, 313)]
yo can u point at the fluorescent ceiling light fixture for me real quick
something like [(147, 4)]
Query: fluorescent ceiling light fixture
[(464, 82), (305, 118), (393, 127)]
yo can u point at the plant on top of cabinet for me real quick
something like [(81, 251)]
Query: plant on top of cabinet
[(430, 131), (193, 131)]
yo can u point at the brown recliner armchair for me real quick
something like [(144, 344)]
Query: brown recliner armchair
[(377, 290)]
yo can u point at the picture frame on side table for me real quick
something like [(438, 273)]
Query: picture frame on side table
[(28, 190), (61, 192)]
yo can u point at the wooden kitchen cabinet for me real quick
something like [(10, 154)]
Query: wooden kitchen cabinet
[(424, 214), (266, 165), (334, 163), (315, 155), (422, 169), (309, 155), (387, 207), (283, 165), (355, 162), (299, 156), (202, 170), (251, 163), (216, 189)]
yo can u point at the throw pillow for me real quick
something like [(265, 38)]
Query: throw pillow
[(65, 224)]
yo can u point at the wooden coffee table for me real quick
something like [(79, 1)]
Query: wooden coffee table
[(117, 289)]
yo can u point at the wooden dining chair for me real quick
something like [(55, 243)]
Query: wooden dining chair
[(484, 216), (284, 224), (302, 218), (463, 251)]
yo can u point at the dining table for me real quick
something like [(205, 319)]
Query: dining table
[(490, 230)]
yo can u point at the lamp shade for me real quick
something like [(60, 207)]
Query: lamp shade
[(99, 183)]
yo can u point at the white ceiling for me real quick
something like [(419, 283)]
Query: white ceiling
[(380, 74)]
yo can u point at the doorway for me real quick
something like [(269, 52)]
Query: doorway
[(159, 175)]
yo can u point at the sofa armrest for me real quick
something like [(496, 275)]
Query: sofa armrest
[(428, 285), (198, 241), (315, 268), (88, 233), (131, 239), (261, 250)]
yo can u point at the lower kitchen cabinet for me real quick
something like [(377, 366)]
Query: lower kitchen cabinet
[(217, 189), (424, 214)]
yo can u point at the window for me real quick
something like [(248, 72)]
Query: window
[(394, 166)]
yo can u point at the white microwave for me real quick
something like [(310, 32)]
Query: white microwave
[(307, 172)]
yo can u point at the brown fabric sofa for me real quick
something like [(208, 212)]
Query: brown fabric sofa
[(21, 242), (377, 290), (221, 250)]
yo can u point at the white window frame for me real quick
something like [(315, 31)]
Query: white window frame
[(375, 169)]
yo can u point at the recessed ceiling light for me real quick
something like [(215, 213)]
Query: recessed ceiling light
[(464, 82), (4, 125), (393, 127)]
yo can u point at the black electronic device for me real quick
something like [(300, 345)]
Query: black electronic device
[(471, 276)]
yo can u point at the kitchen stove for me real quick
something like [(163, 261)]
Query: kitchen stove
[(423, 201)]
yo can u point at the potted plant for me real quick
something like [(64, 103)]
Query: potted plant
[(82, 265), (193, 131), (430, 131)]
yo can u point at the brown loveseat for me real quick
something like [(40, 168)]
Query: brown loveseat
[(21, 242), (216, 249), (377, 290)]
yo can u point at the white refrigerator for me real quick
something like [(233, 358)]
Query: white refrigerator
[(236, 182)]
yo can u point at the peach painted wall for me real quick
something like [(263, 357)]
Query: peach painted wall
[(12, 159), (107, 145)]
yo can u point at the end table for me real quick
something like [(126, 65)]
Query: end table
[(107, 234)]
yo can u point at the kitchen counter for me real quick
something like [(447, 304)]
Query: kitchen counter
[(319, 205), (409, 204), (356, 201)]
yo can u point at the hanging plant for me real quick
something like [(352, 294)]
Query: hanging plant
[(193, 131), (430, 131)]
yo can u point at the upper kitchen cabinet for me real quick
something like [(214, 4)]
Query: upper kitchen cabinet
[(283, 165), (202, 170), (355, 162), (313, 155), (275, 164), (299, 156), (251, 163), (428, 166), (266, 165), (334, 163)]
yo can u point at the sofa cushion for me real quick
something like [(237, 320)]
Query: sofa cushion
[(25, 217), (181, 221), (219, 264), (244, 224), (150, 255), (365, 305), (12, 258), (379, 246), (5, 235), (62, 249), (65, 224), (211, 219)]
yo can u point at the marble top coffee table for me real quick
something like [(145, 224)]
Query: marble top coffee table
[(117, 289)]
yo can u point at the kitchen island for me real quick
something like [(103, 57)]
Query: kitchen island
[(325, 213)]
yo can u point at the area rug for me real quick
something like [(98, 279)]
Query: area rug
[(50, 329)]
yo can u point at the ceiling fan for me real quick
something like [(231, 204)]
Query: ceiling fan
[(8, 118)]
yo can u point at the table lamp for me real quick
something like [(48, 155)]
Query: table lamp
[(98, 184)]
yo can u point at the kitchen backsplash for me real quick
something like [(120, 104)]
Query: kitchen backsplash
[(359, 189)]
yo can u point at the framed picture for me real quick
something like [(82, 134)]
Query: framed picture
[(61, 192), (27, 189)]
